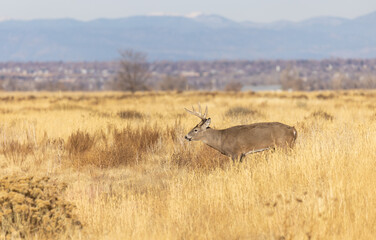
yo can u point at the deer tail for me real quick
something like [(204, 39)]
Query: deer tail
[(295, 133)]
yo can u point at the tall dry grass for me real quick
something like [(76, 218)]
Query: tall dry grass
[(131, 175)]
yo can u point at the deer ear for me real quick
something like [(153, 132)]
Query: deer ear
[(207, 123)]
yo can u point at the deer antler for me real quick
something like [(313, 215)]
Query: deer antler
[(199, 113)]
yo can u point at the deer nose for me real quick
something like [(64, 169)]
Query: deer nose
[(189, 139)]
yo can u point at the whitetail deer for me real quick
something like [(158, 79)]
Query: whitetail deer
[(238, 141)]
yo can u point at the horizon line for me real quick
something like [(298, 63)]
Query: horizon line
[(191, 15)]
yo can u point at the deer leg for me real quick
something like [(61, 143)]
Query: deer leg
[(234, 158), (258, 150), (241, 157)]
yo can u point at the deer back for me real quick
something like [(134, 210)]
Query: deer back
[(244, 138)]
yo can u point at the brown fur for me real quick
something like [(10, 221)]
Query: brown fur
[(238, 141)]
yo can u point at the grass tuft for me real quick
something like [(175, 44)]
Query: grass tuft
[(322, 115), (239, 111), (130, 114), (16, 152), (79, 142), (202, 158), (124, 147)]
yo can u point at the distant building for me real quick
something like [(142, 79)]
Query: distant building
[(189, 74)]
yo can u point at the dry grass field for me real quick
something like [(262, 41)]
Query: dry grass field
[(116, 166)]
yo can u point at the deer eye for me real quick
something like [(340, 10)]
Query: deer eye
[(196, 130)]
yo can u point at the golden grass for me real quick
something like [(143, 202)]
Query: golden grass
[(131, 174)]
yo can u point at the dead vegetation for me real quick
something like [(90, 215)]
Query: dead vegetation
[(320, 114), (33, 206), (130, 114), (240, 111), (132, 175), (373, 117), (16, 152), (79, 142), (198, 158), (322, 96), (120, 147)]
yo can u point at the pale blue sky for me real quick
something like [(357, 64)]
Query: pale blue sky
[(240, 10)]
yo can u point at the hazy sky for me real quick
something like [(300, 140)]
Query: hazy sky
[(240, 10)]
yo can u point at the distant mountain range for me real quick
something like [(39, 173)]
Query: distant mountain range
[(203, 37)]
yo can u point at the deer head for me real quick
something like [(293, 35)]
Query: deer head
[(197, 133)]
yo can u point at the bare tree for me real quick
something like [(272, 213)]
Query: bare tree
[(133, 72), (174, 83), (338, 80), (234, 86), (290, 80)]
